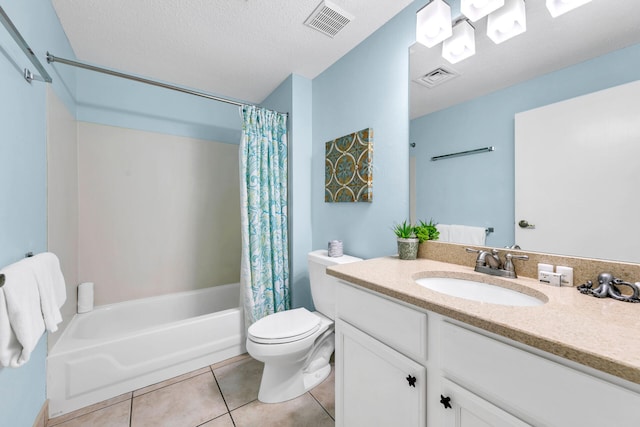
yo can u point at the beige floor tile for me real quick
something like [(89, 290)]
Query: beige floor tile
[(325, 393), (170, 381), (301, 411), (91, 408), (230, 361), (240, 381), (222, 421), (188, 403), (112, 416)]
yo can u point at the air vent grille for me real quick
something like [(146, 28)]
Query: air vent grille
[(328, 19), (436, 77)]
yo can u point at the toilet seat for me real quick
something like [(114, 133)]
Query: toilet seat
[(284, 327)]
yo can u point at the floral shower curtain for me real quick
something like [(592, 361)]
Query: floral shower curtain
[(264, 276)]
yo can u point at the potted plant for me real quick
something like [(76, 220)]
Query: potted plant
[(407, 240), (426, 231)]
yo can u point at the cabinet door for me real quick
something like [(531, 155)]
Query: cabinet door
[(376, 385), (461, 408)]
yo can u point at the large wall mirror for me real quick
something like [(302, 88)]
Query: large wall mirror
[(587, 50)]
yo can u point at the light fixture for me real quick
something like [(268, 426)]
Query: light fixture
[(433, 23), (507, 22), (476, 9), (558, 7), (461, 45)]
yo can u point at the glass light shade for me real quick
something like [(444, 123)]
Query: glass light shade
[(433, 23), (461, 45), (476, 9), (507, 22), (558, 7)]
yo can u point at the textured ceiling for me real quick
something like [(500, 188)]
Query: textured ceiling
[(549, 44), (241, 49)]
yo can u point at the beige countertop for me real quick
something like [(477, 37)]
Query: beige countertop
[(601, 333)]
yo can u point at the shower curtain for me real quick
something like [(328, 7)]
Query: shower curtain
[(264, 275)]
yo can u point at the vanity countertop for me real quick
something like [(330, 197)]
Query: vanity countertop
[(600, 333)]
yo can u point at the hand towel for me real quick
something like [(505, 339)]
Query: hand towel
[(467, 235), (444, 230), (51, 286), (23, 310), (10, 348)]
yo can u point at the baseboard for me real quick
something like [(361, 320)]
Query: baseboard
[(42, 418)]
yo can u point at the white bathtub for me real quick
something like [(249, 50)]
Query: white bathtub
[(121, 347)]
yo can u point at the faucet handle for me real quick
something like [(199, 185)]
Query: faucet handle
[(472, 250), (508, 265)]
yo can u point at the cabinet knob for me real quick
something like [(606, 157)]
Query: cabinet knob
[(446, 401), (411, 380)]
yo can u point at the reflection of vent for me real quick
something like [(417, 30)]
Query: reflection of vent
[(328, 19), (436, 77)]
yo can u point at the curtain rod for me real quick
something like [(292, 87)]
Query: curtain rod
[(51, 59), (24, 46)]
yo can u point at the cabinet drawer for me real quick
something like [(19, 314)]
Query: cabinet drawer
[(398, 326), (537, 389)]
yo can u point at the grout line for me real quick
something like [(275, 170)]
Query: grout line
[(321, 405), (131, 410), (223, 398)]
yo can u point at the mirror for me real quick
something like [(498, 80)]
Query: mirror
[(585, 50)]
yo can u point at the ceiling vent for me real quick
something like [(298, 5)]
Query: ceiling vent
[(436, 77), (328, 19)]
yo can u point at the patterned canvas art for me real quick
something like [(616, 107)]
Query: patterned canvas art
[(348, 168)]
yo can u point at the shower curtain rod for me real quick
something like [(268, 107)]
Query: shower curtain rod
[(51, 59)]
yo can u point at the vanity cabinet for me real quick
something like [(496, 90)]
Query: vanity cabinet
[(462, 408), (465, 377), (378, 386)]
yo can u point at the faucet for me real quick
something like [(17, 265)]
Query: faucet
[(490, 263)]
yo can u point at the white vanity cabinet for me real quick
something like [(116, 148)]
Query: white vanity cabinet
[(377, 384), (487, 380)]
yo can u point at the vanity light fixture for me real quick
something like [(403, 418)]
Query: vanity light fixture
[(433, 23), (558, 7), (462, 44), (507, 22), (476, 9)]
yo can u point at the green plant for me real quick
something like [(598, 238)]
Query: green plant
[(426, 231), (404, 230)]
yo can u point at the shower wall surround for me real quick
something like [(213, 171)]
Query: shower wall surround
[(158, 213)]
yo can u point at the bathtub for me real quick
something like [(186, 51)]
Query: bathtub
[(118, 348)]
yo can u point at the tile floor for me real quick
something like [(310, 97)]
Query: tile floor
[(221, 395)]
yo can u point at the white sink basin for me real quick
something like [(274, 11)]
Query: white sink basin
[(478, 291)]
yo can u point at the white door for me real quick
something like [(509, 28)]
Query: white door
[(376, 385), (461, 408)]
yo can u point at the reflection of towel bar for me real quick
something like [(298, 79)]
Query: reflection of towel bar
[(488, 230), (463, 153), (2, 278)]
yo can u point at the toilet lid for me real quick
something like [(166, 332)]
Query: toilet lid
[(285, 326)]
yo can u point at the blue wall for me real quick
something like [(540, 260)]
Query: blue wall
[(115, 101), (479, 189), (23, 186), (368, 87)]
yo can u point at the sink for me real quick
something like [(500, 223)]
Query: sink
[(478, 291)]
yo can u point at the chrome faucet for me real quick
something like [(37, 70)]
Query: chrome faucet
[(490, 263)]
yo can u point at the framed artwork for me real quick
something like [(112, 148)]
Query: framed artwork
[(348, 168)]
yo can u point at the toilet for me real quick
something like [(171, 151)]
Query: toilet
[(296, 345)]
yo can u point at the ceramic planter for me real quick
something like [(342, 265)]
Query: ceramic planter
[(408, 248)]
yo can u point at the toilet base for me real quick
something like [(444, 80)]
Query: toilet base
[(286, 381)]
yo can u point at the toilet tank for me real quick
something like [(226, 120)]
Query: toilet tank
[(323, 286)]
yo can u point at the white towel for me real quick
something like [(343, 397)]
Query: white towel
[(444, 232), (51, 286), (23, 311), (467, 235), (10, 348)]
